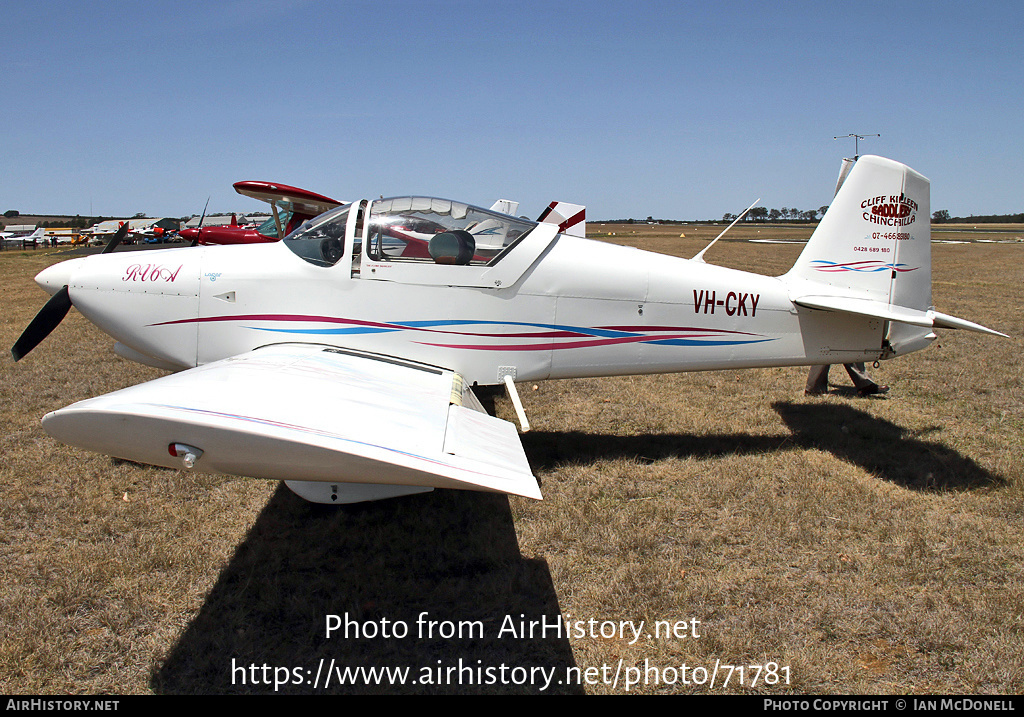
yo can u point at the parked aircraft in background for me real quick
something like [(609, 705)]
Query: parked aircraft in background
[(38, 237), (570, 218), (290, 207), (138, 229), (103, 231), (152, 235), (340, 364)]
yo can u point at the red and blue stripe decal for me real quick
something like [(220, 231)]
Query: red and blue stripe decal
[(859, 266), (516, 336)]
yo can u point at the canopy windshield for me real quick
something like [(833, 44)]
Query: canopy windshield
[(409, 229), (446, 232), (321, 240), (269, 227)]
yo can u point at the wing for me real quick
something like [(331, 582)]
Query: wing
[(301, 412), (301, 201)]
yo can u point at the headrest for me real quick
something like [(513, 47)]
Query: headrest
[(454, 247)]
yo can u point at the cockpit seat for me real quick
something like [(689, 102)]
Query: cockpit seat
[(455, 247)]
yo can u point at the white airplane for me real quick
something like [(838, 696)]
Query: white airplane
[(38, 236), (348, 372)]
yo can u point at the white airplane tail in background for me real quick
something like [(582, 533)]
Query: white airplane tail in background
[(39, 235), (570, 218), (871, 255)]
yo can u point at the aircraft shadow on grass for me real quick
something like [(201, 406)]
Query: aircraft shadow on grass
[(453, 555), (882, 448)]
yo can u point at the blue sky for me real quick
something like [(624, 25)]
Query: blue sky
[(668, 109)]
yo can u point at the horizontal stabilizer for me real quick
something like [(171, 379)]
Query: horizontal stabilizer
[(945, 321), (887, 312)]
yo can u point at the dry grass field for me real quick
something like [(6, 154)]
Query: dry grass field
[(858, 545)]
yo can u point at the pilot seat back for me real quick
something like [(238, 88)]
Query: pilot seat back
[(454, 247)]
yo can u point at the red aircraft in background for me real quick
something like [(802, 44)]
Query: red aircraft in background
[(290, 207)]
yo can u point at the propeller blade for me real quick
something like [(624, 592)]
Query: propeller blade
[(52, 313), (116, 239), (201, 220)]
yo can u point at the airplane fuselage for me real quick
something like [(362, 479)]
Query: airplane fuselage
[(582, 308)]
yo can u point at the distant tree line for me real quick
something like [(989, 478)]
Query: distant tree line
[(74, 223), (942, 217), (794, 215), (786, 214), (66, 221)]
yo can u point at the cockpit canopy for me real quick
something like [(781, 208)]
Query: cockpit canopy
[(421, 229)]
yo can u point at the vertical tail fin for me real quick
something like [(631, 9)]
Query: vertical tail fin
[(871, 255), (874, 241), (570, 218), (505, 206)]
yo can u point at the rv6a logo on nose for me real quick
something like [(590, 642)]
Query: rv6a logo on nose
[(151, 272), (890, 210)]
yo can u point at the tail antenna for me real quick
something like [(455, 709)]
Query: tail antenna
[(700, 256), (856, 142)]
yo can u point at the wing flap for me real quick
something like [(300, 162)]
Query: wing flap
[(307, 413), (477, 438)]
